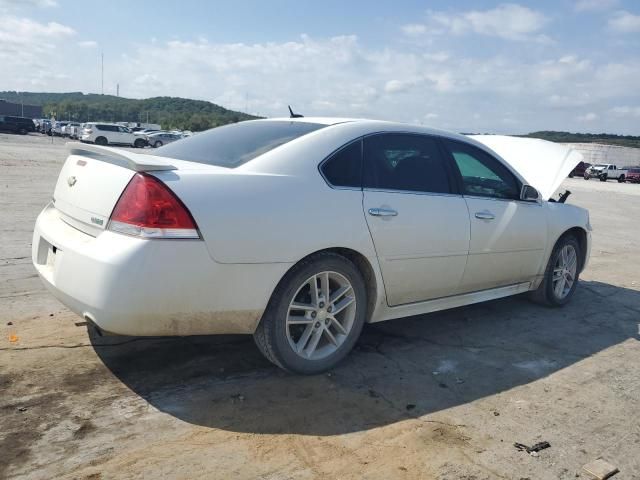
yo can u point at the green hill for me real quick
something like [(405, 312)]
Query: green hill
[(605, 138), (170, 112)]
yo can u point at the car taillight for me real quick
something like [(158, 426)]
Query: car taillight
[(148, 208)]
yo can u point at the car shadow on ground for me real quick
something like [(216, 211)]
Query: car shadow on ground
[(399, 369)]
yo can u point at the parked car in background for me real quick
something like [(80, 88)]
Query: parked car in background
[(73, 130), (68, 129), (159, 139), (57, 128), (110, 134), (605, 171), (45, 127), (633, 175), (21, 125), (301, 230), (579, 170)]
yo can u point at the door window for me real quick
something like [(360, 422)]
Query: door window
[(405, 162), (344, 168), (482, 175)]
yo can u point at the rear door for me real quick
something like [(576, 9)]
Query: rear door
[(508, 236), (418, 222)]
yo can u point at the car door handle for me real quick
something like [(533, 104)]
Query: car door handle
[(382, 212), (485, 215)]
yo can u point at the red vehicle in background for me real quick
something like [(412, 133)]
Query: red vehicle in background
[(633, 175), (579, 170)]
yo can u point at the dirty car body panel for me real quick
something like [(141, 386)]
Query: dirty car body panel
[(251, 216)]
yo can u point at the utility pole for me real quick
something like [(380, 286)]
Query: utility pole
[(117, 89), (102, 73)]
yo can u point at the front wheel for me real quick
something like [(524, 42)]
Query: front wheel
[(139, 143), (603, 178), (315, 315), (561, 275)]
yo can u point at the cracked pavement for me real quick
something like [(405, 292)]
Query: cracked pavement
[(441, 396)]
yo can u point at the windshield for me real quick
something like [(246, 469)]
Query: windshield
[(233, 145)]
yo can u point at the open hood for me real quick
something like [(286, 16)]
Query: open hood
[(543, 165)]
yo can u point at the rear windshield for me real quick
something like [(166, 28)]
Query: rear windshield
[(233, 145)]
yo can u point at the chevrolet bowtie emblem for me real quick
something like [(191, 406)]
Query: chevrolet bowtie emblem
[(72, 181)]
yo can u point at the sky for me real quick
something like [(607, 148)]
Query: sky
[(467, 66)]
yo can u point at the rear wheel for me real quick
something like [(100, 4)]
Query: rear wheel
[(157, 144), (101, 141), (561, 275), (621, 179), (315, 315), (571, 175)]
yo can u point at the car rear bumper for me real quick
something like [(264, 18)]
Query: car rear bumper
[(132, 286)]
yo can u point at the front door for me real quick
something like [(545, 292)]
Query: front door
[(508, 236), (419, 225)]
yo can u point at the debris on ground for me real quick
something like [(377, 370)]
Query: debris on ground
[(534, 449), (9, 323), (600, 469), (13, 338)]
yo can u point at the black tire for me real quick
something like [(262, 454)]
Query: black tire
[(586, 176), (271, 334), (571, 175), (139, 143), (621, 179), (101, 141), (603, 178), (22, 131), (545, 294), (157, 144)]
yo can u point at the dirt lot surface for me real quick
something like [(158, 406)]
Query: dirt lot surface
[(440, 396)]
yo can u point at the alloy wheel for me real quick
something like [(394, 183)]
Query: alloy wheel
[(321, 315), (564, 271)]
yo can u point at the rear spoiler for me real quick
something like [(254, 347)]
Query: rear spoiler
[(133, 161)]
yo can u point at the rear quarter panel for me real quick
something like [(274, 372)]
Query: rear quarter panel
[(249, 217)]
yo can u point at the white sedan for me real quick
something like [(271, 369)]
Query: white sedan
[(299, 231)]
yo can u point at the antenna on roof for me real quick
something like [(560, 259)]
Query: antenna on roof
[(294, 115)]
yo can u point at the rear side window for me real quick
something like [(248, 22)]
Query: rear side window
[(405, 162), (483, 175), (344, 168), (236, 144)]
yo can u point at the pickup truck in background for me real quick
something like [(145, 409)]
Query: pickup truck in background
[(605, 171)]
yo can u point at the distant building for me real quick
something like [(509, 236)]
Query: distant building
[(600, 153), (17, 109)]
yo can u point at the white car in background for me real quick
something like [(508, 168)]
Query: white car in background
[(110, 134), (158, 139), (299, 231)]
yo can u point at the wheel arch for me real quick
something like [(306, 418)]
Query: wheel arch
[(361, 262), (580, 235)]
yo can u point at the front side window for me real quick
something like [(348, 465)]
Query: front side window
[(482, 175), (344, 168), (405, 162)]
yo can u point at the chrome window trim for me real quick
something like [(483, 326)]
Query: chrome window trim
[(411, 192)]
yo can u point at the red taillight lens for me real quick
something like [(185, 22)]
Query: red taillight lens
[(147, 208)]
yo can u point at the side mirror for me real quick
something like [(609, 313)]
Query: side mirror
[(529, 194)]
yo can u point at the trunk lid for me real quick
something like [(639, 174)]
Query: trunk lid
[(544, 165), (92, 180)]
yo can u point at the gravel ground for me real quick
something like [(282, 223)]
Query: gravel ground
[(440, 396)]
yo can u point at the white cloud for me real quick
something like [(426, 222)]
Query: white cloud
[(25, 4), (88, 44), (626, 111), (594, 5), (508, 21), (414, 29), (588, 117), (624, 22)]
